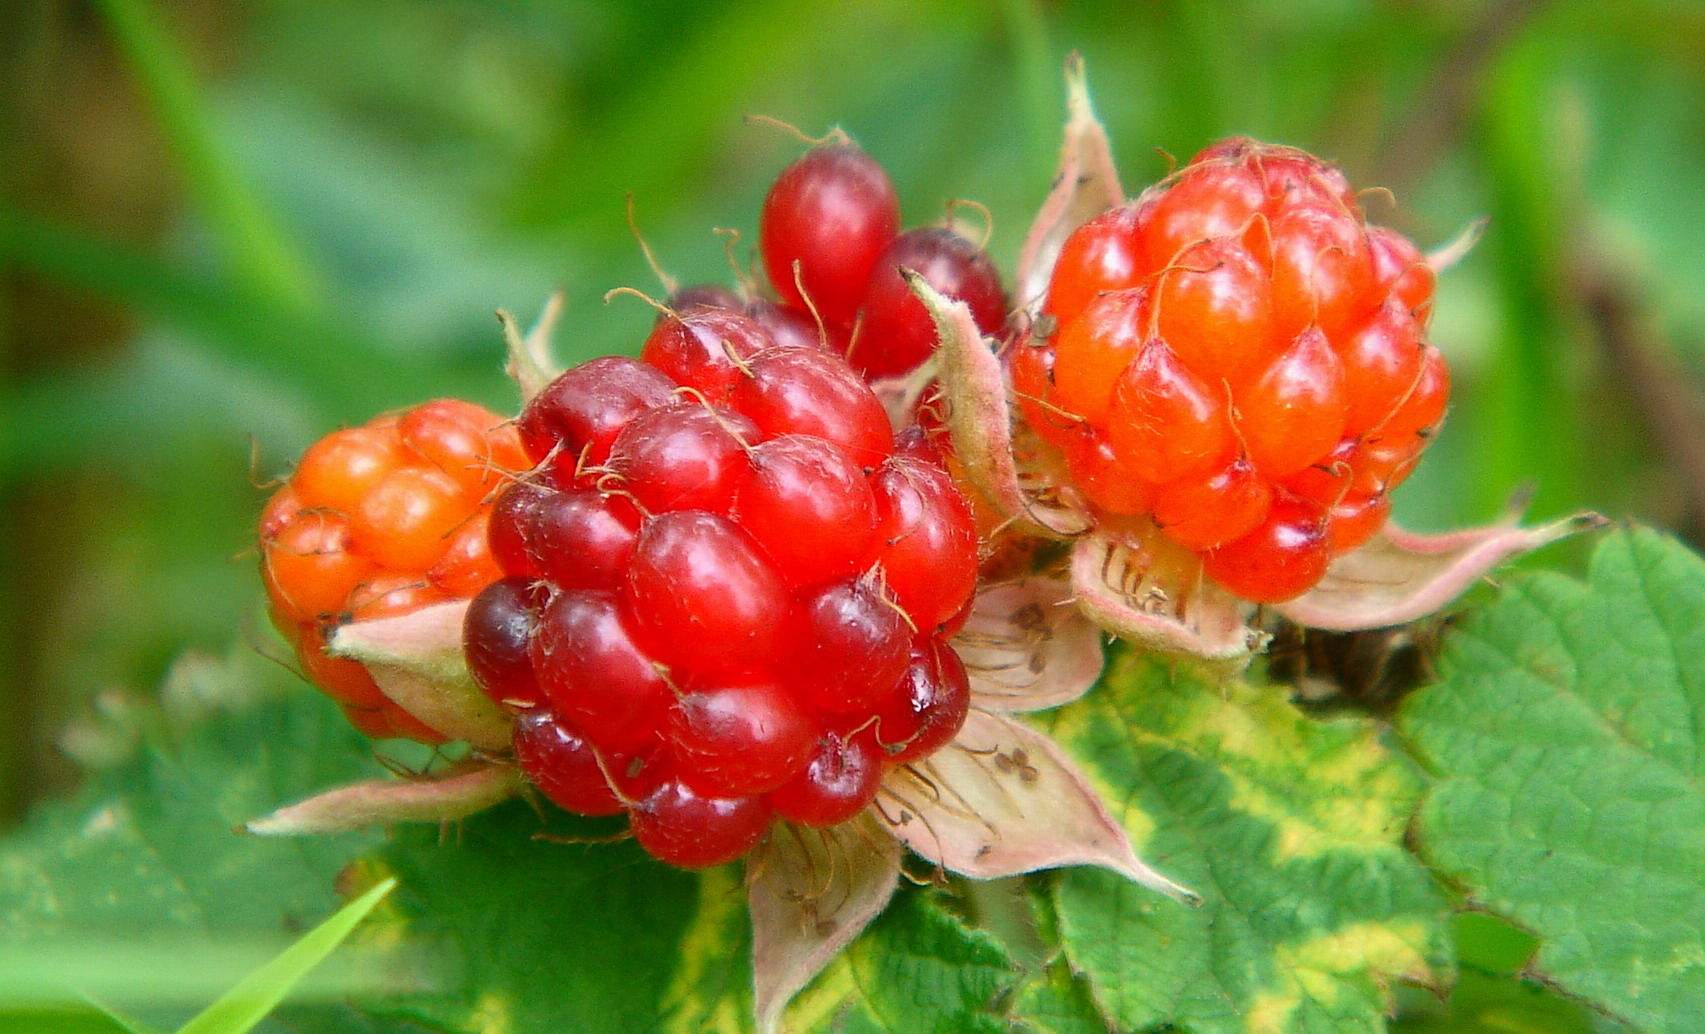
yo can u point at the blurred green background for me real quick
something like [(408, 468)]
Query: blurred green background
[(227, 228)]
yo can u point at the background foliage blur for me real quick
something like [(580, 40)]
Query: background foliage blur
[(224, 229)]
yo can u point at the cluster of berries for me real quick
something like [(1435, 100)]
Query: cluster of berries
[(1238, 355), (726, 593), (380, 520), (831, 244)]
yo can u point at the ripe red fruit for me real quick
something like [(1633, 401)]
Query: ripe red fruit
[(705, 598), (379, 520), (740, 740), (927, 540), (595, 674), (833, 212), (702, 347), (810, 505), (498, 631), (726, 599), (851, 647), (896, 332), (839, 780), (1277, 561), (677, 825), (577, 416), (563, 765), (929, 706), (1237, 334), (1101, 255), (814, 392), (688, 456)]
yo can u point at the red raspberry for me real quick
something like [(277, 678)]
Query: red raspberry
[(379, 520), (1240, 356), (733, 604), (897, 332), (833, 212)]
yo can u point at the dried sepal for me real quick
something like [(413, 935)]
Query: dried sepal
[(416, 659), (1457, 249), (529, 364), (979, 417), (1003, 799), (1086, 185), (1399, 576), (1161, 606), (1027, 647), (811, 891), (460, 792)]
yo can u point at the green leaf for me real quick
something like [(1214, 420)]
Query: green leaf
[(239, 1009), (1568, 733), (918, 968), (1290, 828)]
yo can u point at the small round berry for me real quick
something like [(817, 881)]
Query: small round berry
[(897, 332), (1381, 360), (1208, 200), (929, 707), (594, 674), (1278, 561), (496, 635), (1110, 484), (703, 348), (391, 595), (678, 826), (405, 521), (312, 564), (737, 740), (1322, 271), (850, 648), (576, 417), (687, 456), (1101, 255), (1353, 520), (1167, 422), (840, 779), (832, 211), (563, 765), (1423, 406), (510, 527), (338, 471), (1212, 306), (1400, 269), (1093, 350), (467, 565), (463, 441), (704, 597), (1294, 412), (926, 540), (1032, 369), (810, 507), (811, 391), (1200, 513), (582, 539)]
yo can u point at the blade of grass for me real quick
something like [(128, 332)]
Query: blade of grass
[(256, 245), (256, 995), (327, 359), (1532, 430)]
